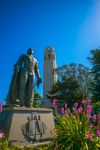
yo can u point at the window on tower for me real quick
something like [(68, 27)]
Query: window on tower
[(48, 56)]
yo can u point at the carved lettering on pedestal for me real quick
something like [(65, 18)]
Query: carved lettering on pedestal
[(35, 128)]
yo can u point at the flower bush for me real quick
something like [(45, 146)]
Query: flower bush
[(78, 129)]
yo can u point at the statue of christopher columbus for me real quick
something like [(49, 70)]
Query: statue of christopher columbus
[(21, 91)]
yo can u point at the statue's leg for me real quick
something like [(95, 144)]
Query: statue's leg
[(30, 91), (22, 85)]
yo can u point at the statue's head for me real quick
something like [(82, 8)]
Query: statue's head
[(30, 51)]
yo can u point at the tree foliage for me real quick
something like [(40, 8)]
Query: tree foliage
[(37, 97), (73, 85), (95, 60), (64, 91)]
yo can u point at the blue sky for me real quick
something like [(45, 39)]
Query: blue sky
[(72, 27)]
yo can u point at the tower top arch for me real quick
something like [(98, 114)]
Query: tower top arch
[(49, 48)]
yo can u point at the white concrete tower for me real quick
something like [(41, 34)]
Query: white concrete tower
[(49, 78)]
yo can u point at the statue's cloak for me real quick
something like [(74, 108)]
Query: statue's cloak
[(13, 94), (14, 88)]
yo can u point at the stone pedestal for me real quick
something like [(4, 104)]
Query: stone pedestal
[(27, 126)]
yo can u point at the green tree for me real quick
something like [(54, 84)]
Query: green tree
[(37, 97), (73, 84), (95, 60), (65, 91)]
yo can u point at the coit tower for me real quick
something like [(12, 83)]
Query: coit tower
[(49, 77)]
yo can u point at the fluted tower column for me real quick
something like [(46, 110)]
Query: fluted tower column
[(49, 78)]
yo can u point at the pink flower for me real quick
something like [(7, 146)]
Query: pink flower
[(98, 132), (66, 105), (83, 101), (80, 110), (66, 113), (75, 105), (89, 109), (62, 109), (1, 135), (94, 117), (88, 115), (54, 103), (89, 100), (91, 125), (90, 136)]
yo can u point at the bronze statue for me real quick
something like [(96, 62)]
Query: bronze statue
[(21, 91)]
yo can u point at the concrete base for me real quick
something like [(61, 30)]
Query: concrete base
[(27, 126)]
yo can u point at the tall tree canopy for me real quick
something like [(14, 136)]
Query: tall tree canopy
[(65, 91), (95, 60), (73, 84)]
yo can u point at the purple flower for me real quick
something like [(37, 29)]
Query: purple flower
[(66, 105), (88, 115), (90, 136), (75, 105), (54, 103), (89, 109), (91, 125), (83, 101), (80, 110), (94, 117), (62, 109), (89, 100), (1, 135), (66, 113)]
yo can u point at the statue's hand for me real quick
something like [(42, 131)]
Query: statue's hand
[(39, 80)]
